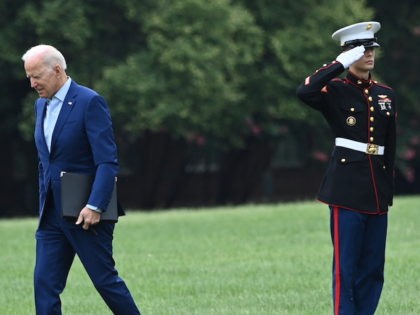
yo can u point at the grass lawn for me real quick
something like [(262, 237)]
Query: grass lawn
[(253, 259)]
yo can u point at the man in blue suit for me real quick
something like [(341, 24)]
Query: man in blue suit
[(73, 133)]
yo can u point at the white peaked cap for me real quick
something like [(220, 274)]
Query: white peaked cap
[(358, 31)]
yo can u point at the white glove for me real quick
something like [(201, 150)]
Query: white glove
[(349, 57)]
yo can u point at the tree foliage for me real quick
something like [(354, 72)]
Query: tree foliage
[(188, 76)]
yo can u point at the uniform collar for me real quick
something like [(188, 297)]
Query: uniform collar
[(362, 83)]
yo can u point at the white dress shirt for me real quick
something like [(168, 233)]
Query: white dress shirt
[(53, 110)]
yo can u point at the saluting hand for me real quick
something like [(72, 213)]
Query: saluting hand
[(349, 57), (88, 217)]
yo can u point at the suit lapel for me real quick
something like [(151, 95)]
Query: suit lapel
[(41, 108)]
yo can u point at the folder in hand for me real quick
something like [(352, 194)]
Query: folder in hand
[(75, 192)]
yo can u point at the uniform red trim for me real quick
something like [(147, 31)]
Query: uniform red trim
[(380, 212), (372, 174), (375, 190), (336, 212)]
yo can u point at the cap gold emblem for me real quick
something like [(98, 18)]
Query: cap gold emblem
[(369, 26), (351, 121)]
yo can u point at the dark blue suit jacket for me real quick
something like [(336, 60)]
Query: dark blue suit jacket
[(82, 141)]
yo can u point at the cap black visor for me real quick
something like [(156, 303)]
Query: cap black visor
[(368, 43)]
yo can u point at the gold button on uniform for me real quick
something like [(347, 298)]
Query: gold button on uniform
[(343, 160), (372, 119), (370, 98), (352, 109), (388, 113), (351, 121), (366, 91), (372, 108), (371, 129), (371, 139)]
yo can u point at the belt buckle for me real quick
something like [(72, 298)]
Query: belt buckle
[(372, 148)]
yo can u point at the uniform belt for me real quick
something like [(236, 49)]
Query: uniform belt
[(368, 148)]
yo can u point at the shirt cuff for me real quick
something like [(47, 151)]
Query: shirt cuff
[(94, 208)]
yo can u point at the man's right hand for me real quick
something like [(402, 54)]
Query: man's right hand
[(349, 57)]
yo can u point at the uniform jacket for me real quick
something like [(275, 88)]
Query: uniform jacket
[(82, 141), (363, 111)]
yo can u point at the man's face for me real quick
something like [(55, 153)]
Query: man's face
[(43, 78), (367, 62)]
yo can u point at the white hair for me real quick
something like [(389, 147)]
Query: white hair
[(51, 56)]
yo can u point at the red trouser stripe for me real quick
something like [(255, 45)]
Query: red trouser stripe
[(337, 261)]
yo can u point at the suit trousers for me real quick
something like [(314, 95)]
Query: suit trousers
[(57, 242), (359, 258)]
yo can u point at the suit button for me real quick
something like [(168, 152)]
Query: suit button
[(384, 167), (343, 160)]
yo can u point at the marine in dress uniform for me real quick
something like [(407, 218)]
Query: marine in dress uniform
[(358, 183)]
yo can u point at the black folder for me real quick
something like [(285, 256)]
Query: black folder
[(75, 192)]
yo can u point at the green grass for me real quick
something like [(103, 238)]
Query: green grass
[(255, 259)]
